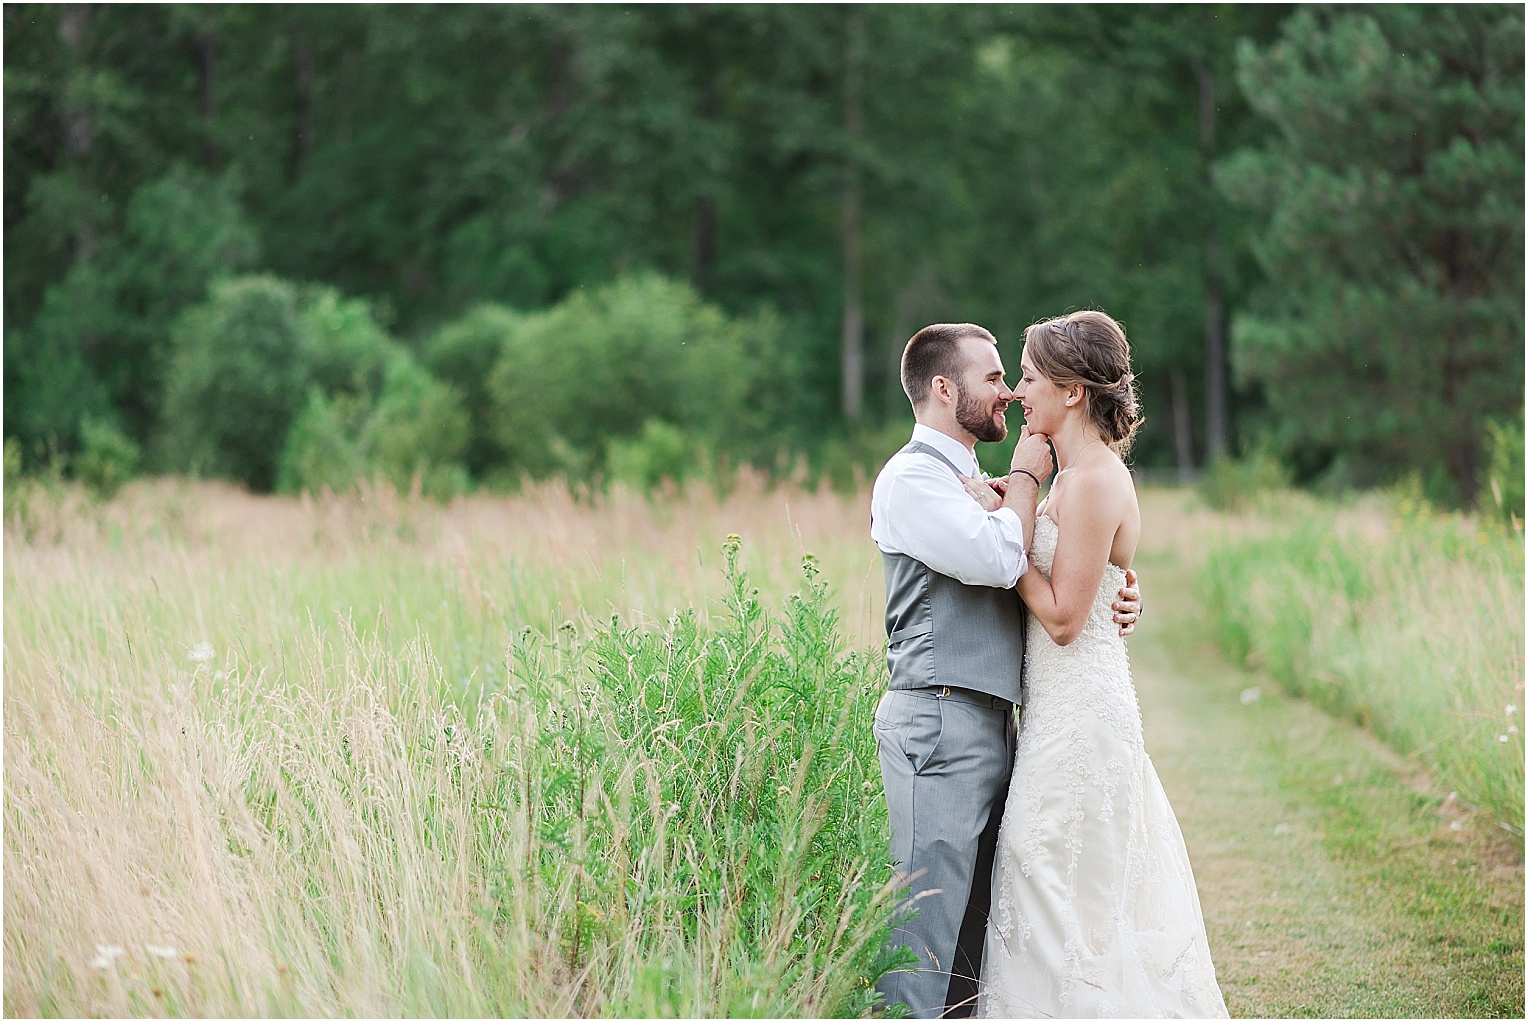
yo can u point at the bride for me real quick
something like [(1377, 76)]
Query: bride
[(1094, 910)]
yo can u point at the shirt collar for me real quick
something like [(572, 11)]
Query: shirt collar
[(946, 445)]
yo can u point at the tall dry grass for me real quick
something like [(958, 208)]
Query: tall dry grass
[(370, 756)]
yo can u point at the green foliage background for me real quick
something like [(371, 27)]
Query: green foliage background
[(1309, 220)]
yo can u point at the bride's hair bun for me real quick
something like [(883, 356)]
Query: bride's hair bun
[(1090, 348)]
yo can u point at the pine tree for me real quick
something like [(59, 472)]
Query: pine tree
[(1392, 324)]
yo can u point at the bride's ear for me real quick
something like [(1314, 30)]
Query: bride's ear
[(1073, 395)]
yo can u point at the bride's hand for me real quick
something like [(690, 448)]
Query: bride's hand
[(1032, 456), (983, 493), (1127, 609)]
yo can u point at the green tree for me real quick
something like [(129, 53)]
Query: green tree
[(463, 354), (112, 225), (1095, 129), (859, 171), (596, 367), (237, 377), (372, 411), (180, 232), (349, 352), (419, 428), (324, 446), (1392, 323)]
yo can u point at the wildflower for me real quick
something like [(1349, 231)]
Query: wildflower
[(202, 653), (107, 955), (158, 951), (1501, 738), (1251, 695), (1511, 709)]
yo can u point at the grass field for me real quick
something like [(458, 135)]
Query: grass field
[(1408, 621), (1339, 879), (541, 757), (370, 756)]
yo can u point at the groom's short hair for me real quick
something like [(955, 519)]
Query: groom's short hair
[(935, 351)]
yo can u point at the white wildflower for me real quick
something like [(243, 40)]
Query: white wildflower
[(161, 951), (1251, 695), (202, 653), (1501, 738), (1511, 709), (107, 955)]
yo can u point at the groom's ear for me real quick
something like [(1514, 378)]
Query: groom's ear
[(942, 388)]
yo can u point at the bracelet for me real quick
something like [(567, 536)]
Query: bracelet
[(1028, 473)]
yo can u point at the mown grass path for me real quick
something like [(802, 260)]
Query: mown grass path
[(1335, 882)]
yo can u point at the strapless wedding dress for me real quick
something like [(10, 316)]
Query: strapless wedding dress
[(1094, 910)]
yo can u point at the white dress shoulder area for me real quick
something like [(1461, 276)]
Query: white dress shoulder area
[(1094, 909)]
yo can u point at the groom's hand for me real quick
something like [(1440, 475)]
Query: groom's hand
[(1127, 609)]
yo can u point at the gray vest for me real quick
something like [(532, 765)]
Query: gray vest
[(940, 631)]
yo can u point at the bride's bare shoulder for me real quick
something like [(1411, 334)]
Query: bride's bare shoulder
[(1105, 481)]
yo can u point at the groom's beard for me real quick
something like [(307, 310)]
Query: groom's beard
[(978, 420)]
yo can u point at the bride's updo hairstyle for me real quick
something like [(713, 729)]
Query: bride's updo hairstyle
[(1090, 348)]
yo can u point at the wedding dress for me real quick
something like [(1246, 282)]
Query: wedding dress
[(1094, 911)]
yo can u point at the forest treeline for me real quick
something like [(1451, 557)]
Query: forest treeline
[(296, 245)]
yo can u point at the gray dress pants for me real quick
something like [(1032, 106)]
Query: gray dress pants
[(946, 759)]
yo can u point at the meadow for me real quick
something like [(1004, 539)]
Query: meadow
[(1404, 619), (545, 756), (372, 756)]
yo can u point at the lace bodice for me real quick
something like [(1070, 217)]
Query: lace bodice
[(1093, 671)]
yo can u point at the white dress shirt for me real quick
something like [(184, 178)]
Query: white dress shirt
[(920, 509)]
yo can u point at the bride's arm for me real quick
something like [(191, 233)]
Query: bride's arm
[(1062, 602)]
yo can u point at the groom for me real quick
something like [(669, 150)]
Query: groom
[(955, 647)]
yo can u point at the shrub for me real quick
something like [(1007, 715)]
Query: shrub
[(323, 447), (850, 462), (107, 458), (349, 352), (1502, 496), (463, 354), (596, 368), (416, 426), (372, 411), (660, 452), (1235, 484), (236, 381)]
